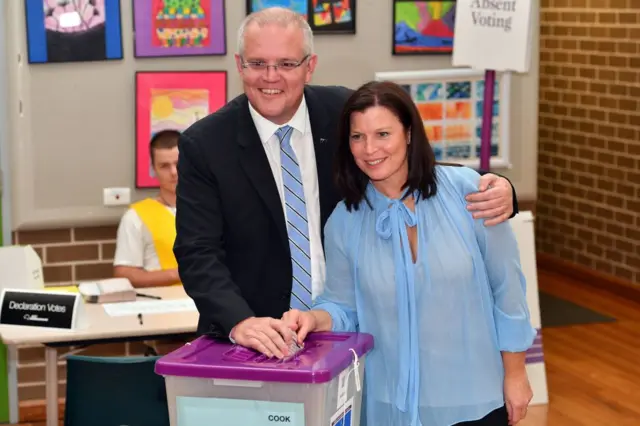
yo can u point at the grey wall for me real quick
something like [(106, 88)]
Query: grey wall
[(75, 135), (5, 181)]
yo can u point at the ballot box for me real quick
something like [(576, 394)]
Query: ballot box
[(215, 382)]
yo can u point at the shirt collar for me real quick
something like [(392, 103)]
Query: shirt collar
[(378, 200), (266, 128)]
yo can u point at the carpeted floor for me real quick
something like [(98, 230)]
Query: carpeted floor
[(556, 312)]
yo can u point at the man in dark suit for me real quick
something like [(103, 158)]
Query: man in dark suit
[(255, 189)]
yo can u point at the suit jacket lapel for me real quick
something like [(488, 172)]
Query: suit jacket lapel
[(256, 165), (324, 134)]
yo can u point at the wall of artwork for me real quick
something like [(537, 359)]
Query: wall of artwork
[(450, 102), (91, 80)]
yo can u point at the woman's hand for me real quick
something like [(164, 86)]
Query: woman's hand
[(517, 395), (301, 322)]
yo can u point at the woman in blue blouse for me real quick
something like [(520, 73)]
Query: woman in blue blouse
[(442, 294)]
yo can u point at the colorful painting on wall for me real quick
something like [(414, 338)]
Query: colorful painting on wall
[(450, 104), (333, 16), (179, 28), (172, 101), (423, 26), (73, 31), (324, 16), (300, 6)]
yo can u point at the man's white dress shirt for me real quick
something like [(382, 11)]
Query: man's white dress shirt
[(302, 145)]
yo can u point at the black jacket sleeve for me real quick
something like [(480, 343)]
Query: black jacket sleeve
[(199, 246)]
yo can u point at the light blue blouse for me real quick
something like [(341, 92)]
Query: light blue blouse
[(439, 325)]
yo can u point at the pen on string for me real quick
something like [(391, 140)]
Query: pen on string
[(149, 296)]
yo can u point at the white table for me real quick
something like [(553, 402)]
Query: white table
[(102, 328)]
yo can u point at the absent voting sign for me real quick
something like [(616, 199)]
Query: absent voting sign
[(493, 34), (197, 411)]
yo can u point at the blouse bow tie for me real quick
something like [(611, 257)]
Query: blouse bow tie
[(396, 215), (392, 224)]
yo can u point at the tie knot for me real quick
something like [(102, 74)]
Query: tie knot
[(284, 133)]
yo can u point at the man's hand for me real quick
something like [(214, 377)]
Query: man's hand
[(266, 335), (493, 201)]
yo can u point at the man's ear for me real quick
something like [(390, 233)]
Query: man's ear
[(239, 63), (312, 62)]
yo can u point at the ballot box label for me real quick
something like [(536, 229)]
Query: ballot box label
[(37, 308), (343, 417), (198, 411)]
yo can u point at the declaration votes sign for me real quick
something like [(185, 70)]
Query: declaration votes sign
[(40, 308), (493, 34)]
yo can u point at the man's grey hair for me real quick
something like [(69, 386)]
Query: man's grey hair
[(278, 16)]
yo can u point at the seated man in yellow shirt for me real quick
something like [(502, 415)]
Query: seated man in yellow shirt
[(144, 245)]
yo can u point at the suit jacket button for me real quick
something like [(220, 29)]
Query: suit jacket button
[(286, 295)]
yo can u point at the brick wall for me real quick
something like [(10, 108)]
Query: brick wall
[(589, 153), (69, 256), (72, 255)]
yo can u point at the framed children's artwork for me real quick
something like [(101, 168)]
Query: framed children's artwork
[(450, 102), (332, 16), (324, 16), (423, 26), (73, 31), (165, 28), (299, 6), (172, 101)]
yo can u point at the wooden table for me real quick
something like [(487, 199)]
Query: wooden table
[(102, 328)]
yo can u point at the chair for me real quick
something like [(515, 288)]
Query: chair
[(114, 391)]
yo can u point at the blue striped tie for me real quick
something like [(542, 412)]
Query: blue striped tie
[(297, 225)]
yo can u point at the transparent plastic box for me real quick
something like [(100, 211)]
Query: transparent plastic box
[(214, 382)]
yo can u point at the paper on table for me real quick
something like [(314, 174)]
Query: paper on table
[(149, 307), (66, 288)]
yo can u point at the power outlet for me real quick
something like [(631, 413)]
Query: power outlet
[(116, 196)]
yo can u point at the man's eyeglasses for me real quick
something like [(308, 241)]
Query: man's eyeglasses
[(281, 65)]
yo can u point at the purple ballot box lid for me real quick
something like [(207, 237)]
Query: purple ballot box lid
[(324, 356)]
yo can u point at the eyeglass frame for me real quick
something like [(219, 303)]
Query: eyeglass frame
[(276, 67)]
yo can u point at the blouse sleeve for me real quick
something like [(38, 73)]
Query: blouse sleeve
[(338, 298), (502, 260), (501, 256)]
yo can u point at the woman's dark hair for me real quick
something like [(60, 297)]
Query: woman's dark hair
[(350, 180)]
